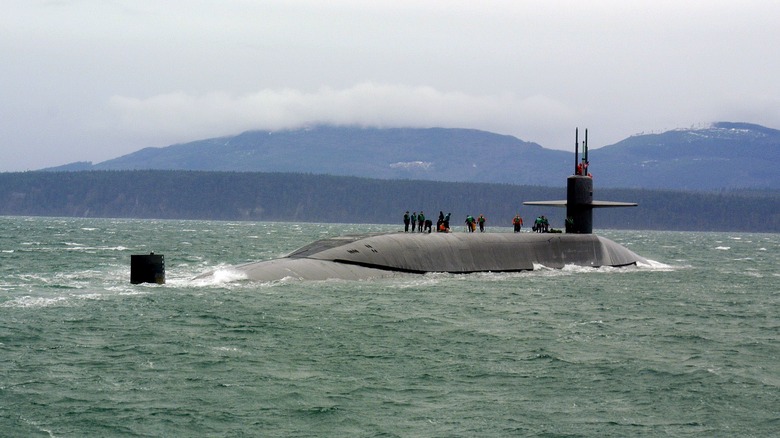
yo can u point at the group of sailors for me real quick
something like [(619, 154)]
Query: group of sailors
[(471, 223), (541, 225), (419, 223)]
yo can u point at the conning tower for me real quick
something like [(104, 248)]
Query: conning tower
[(579, 201)]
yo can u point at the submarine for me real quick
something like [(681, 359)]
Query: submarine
[(378, 255)]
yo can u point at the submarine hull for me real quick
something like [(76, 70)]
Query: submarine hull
[(356, 257), (370, 256)]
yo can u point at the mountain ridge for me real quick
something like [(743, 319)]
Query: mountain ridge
[(725, 155)]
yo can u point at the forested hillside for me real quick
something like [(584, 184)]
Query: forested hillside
[(316, 198)]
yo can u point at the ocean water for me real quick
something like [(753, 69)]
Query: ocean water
[(686, 346)]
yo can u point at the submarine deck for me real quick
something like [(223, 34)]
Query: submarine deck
[(367, 256)]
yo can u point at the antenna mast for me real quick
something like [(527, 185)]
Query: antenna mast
[(576, 149)]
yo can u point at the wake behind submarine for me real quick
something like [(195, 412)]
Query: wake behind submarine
[(377, 255)]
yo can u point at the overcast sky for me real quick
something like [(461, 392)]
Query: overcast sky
[(91, 80)]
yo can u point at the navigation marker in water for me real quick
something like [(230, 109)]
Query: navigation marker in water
[(147, 268)]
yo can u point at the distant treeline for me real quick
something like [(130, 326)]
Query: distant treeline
[(338, 199)]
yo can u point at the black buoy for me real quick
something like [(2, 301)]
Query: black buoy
[(147, 268)]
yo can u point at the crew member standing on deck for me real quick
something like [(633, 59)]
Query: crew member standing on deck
[(470, 223), (414, 221), (406, 221), (517, 223)]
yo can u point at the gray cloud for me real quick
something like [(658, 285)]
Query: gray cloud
[(92, 80), (179, 115)]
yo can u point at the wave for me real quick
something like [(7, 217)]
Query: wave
[(34, 302), (226, 275), (220, 276), (654, 265)]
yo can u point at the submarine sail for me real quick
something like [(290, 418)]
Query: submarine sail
[(579, 201)]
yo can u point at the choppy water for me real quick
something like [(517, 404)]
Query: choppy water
[(686, 347)]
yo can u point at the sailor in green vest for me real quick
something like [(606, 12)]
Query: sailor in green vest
[(470, 223)]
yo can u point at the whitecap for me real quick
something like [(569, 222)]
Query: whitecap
[(576, 268), (655, 265), (125, 291), (220, 276), (89, 296), (33, 302), (414, 281)]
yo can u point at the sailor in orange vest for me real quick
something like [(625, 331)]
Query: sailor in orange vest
[(517, 222)]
